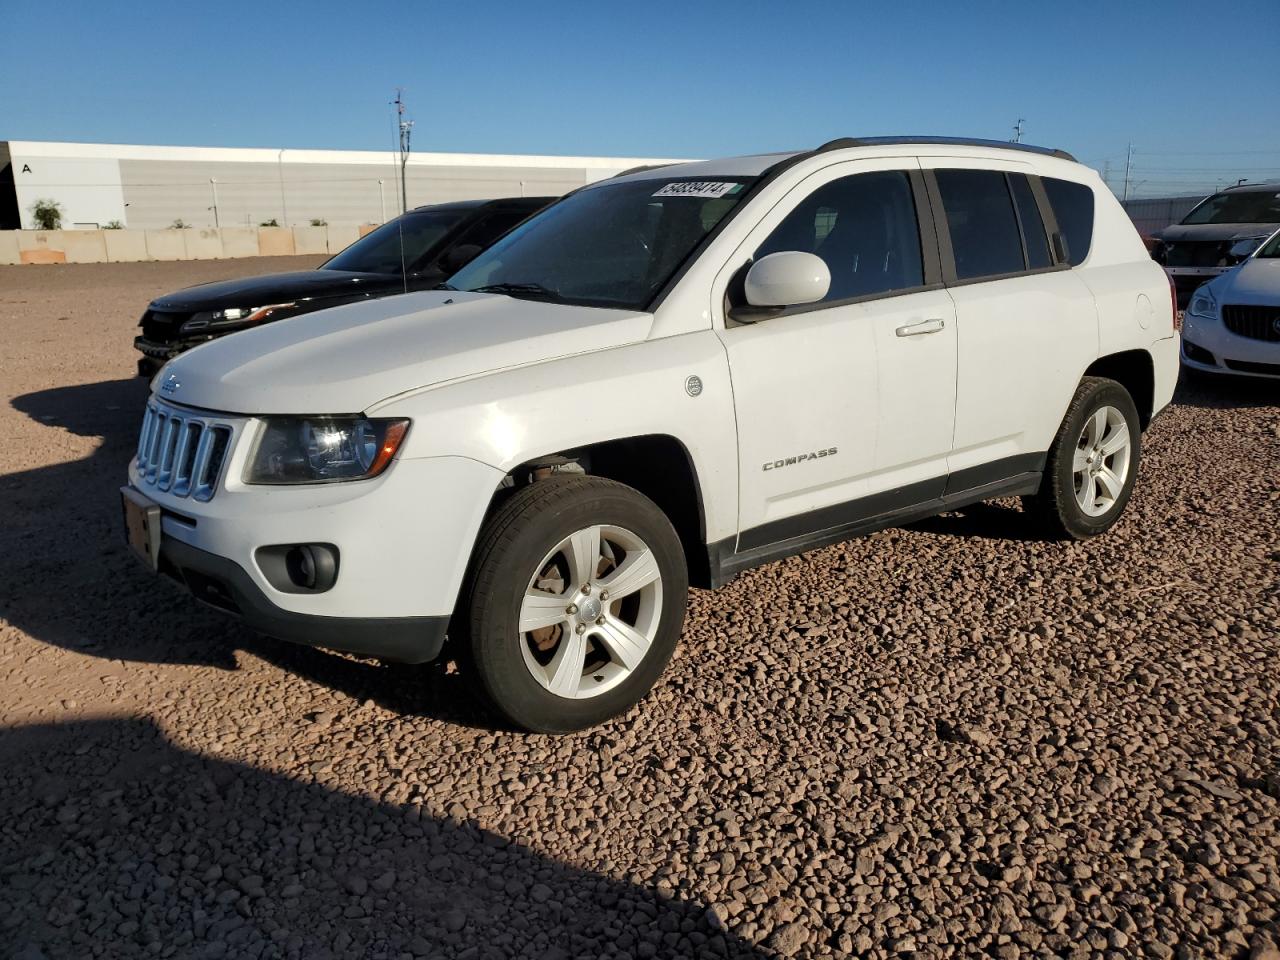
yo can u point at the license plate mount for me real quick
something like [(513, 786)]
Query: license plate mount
[(141, 526)]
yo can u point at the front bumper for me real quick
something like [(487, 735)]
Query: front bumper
[(224, 584), (1208, 346), (404, 539), (156, 353)]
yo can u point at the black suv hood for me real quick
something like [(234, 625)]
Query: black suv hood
[(279, 288), (1182, 232)]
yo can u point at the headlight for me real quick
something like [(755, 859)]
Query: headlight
[(234, 317), (1203, 305), (324, 449)]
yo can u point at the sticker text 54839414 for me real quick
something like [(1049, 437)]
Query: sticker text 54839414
[(698, 188)]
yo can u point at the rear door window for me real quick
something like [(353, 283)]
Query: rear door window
[(1073, 209), (864, 228), (982, 222), (1033, 234)]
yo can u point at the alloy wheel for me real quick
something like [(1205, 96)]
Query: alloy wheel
[(1101, 462), (590, 611)]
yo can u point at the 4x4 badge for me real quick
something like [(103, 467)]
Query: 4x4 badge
[(170, 384)]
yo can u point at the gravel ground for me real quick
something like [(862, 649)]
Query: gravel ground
[(945, 738)]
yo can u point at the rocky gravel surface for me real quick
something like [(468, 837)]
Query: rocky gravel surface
[(949, 738)]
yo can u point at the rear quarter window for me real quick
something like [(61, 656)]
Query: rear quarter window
[(1073, 209), (985, 237)]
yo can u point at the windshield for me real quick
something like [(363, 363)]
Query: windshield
[(1271, 249), (379, 251), (611, 245), (1238, 207)]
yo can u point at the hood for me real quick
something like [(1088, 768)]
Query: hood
[(278, 288), (1204, 232), (346, 359), (1256, 281)]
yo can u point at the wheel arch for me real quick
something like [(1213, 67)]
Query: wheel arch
[(1135, 371), (658, 465)]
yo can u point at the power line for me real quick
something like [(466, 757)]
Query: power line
[(1232, 168), (1206, 153)]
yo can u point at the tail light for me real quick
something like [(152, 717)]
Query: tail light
[(1175, 321)]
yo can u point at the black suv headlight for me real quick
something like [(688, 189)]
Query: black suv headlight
[(324, 449), (235, 317)]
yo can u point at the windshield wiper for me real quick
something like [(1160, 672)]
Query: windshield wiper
[(444, 286), (518, 290)]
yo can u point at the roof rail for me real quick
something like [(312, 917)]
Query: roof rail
[(846, 142)]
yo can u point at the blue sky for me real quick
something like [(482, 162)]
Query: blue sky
[(1188, 87)]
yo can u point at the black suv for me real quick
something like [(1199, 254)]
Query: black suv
[(1217, 234), (413, 252)]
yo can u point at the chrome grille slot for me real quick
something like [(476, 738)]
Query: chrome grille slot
[(182, 451), (153, 448), (144, 438), (209, 459), (168, 447), (185, 460)]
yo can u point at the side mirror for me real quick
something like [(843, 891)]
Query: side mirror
[(1242, 248), (459, 256), (787, 279)]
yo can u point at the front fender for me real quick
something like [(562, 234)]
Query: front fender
[(509, 417)]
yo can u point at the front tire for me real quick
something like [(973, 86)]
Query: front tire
[(1093, 463), (575, 603)]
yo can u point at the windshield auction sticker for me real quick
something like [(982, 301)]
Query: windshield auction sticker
[(698, 188)]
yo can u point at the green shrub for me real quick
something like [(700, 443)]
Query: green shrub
[(319, 222), (269, 223), (113, 225), (47, 214), (179, 224)]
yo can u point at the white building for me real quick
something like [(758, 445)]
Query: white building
[(146, 187)]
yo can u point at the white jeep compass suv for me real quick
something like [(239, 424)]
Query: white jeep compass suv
[(664, 378)]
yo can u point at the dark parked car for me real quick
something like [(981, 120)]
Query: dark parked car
[(413, 252), (1217, 234)]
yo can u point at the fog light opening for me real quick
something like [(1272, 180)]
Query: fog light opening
[(312, 566), (301, 563), (300, 567)]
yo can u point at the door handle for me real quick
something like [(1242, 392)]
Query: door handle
[(924, 326)]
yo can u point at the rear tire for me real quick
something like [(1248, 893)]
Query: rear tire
[(1093, 463), (552, 648)]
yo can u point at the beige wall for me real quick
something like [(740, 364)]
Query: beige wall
[(128, 246)]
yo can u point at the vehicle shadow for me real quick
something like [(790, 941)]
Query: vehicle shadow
[(117, 842), (70, 580), (988, 520), (1222, 392)]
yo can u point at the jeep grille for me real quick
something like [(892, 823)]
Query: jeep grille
[(182, 452)]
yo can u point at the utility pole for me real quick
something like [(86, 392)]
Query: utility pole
[(213, 184), (406, 130), (1128, 163), (1017, 130)]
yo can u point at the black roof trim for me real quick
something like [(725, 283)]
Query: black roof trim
[(1260, 186), (478, 204), (641, 169), (450, 205), (845, 142)]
